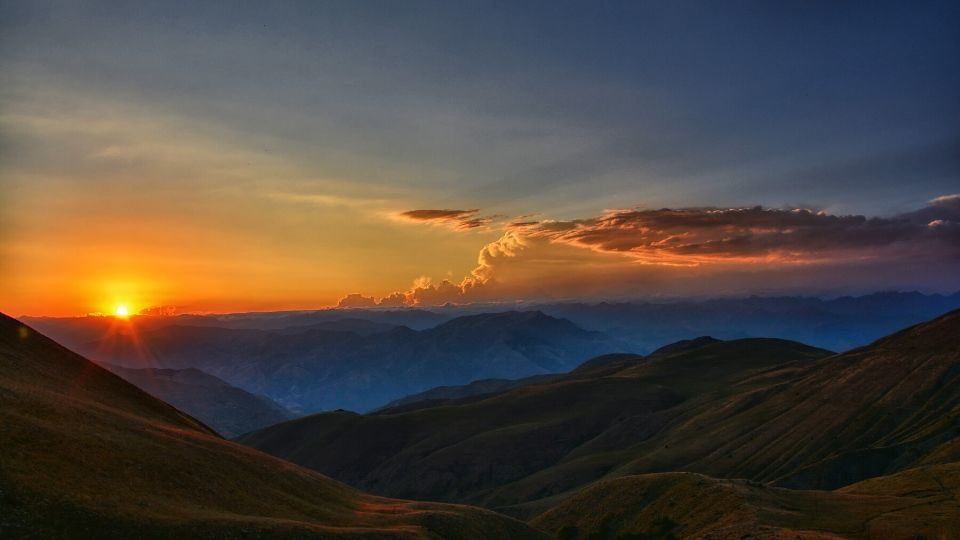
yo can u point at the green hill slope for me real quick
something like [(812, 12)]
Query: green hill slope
[(918, 503), (85, 454), (516, 446), (767, 410)]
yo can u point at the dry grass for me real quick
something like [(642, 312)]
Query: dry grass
[(83, 453), (688, 505)]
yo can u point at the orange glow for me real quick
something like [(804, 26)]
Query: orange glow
[(122, 311)]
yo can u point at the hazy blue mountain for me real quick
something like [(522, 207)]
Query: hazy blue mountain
[(229, 410), (837, 324), (320, 369)]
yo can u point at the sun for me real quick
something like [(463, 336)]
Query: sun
[(122, 311)]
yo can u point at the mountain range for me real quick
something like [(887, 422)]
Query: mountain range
[(85, 454), (703, 438), (780, 414), (316, 368)]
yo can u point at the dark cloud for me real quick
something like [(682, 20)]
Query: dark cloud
[(698, 235), (457, 219)]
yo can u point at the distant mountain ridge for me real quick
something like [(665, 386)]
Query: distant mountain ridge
[(316, 368), (837, 324)]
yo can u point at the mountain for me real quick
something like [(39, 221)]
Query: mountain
[(322, 369), (837, 324), (75, 331), (766, 410), (682, 347), (362, 327), (444, 394), (518, 446), (86, 454), (918, 503), (637, 326), (869, 412), (227, 409)]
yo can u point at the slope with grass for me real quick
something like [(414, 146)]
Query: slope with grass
[(869, 412), (229, 410), (768, 410), (918, 503), (518, 445), (83, 453)]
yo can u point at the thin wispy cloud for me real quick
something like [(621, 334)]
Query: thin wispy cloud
[(462, 220)]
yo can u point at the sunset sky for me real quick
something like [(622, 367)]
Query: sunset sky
[(245, 156)]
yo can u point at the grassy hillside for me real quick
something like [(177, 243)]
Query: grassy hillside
[(767, 410), (83, 453), (869, 412), (919, 503), (484, 450), (229, 410)]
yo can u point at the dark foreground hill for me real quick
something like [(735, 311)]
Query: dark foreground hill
[(227, 409), (443, 394), (317, 368), (918, 503), (767, 410), (83, 453)]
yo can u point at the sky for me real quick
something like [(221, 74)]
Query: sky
[(240, 156)]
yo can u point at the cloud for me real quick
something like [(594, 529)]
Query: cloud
[(703, 250), (461, 220), (951, 202), (357, 300), (325, 199), (752, 234), (396, 299)]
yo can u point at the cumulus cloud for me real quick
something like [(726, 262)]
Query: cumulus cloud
[(357, 300), (687, 250), (396, 299), (462, 220)]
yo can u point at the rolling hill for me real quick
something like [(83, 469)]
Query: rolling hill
[(918, 503), (767, 410), (482, 387), (227, 409), (83, 453), (491, 451)]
